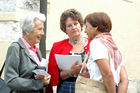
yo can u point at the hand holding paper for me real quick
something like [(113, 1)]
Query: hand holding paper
[(65, 62), (44, 76), (75, 68)]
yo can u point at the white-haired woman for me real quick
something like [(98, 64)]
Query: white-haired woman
[(23, 57)]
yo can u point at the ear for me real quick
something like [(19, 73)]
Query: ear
[(96, 28), (66, 32), (26, 32)]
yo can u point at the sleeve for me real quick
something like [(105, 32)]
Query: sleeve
[(12, 78), (53, 68), (98, 50)]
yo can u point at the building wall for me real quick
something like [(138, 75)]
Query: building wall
[(125, 29)]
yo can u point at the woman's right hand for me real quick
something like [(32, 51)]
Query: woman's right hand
[(85, 73), (75, 68)]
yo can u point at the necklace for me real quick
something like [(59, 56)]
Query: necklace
[(76, 41)]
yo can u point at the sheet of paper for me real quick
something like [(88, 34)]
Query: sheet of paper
[(65, 62), (40, 72)]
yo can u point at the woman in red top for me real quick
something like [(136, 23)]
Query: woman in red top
[(71, 23)]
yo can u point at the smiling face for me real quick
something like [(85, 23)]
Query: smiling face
[(73, 28), (90, 30), (36, 34)]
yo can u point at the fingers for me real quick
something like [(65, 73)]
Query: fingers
[(75, 69), (46, 77), (85, 69), (39, 77), (85, 73), (76, 63), (46, 80)]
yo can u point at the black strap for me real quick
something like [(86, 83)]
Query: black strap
[(2, 69)]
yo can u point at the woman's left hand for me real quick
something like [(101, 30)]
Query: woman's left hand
[(45, 79)]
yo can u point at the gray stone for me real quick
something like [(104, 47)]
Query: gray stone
[(10, 31), (7, 5), (32, 5), (134, 86)]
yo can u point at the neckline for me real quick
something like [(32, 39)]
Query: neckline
[(76, 41)]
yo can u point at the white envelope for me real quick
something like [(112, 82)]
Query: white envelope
[(65, 62)]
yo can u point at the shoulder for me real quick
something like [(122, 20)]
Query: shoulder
[(97, 43), (61, 43), (86, 45), (13, 49), (14, 45), (98, 50)]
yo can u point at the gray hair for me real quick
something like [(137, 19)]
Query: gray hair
[(27, 22)]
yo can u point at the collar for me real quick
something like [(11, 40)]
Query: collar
[(28, 45)]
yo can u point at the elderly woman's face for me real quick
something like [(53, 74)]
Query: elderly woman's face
[(37, 32), (73, 27)]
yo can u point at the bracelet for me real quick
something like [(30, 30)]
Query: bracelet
[(69, 73)]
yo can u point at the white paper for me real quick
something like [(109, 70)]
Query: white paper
[(65, 62), (40, 72)]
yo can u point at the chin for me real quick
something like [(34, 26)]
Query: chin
[(89, 38), (37, 41)]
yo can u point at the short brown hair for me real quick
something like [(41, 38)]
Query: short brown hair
[(100, 20), (70, 13)]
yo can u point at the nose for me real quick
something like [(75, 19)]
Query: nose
[(73, 26), (42, 32), (85, 31)]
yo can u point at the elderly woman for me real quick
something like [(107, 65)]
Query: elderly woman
[(23, 57), (71, 23), (105, 60)]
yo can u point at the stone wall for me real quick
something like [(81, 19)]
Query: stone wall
[(7, 5), (11, 12), (134, 86), (9, 31)]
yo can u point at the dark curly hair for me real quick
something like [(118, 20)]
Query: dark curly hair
[(70, 13)]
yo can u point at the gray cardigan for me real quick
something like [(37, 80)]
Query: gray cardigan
[(18, 69)]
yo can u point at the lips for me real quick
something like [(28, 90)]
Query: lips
[(74, 31), (39, 37)]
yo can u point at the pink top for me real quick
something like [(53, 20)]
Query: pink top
[(32, 51)]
